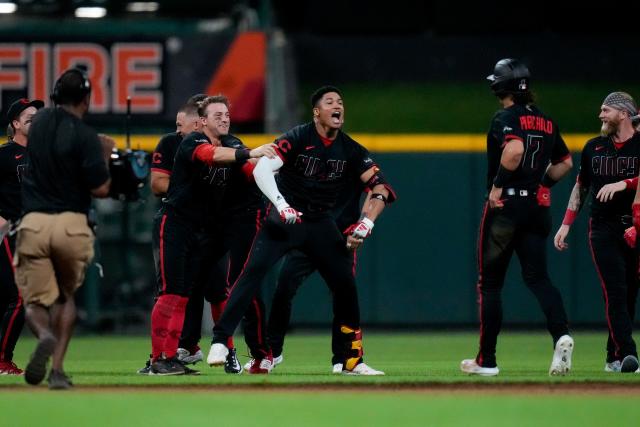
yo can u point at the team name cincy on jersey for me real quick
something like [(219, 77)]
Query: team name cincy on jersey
[(538, 123), (311, 166), (614, 166)]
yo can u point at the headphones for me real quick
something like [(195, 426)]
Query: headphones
[(63, 93)]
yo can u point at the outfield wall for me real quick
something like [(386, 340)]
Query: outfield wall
[(419, 267)]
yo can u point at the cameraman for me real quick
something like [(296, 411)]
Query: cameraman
[(67, 166)]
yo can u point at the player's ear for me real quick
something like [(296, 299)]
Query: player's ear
[(316, 111)]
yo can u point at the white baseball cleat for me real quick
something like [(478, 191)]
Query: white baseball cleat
[(561, 362), (471, 367), (614, 366), (217, 355), (337, 368), (276, 361), (362, 369)]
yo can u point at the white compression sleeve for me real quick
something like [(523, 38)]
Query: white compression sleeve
[(263, 174)]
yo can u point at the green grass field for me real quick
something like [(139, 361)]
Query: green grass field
[(423, 386)]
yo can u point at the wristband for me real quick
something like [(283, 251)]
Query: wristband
[(569, 217), (502, 177), (547, 181), (242, 154), (367, 222), (632, 184)]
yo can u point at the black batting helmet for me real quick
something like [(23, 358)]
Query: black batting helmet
[(509, 76)]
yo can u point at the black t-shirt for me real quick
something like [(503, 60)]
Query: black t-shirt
[(602, 163), (542, 144), (165, 152), (316, 171), (65, 162), (13, 161)]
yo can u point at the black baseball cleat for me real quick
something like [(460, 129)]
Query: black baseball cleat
[(146, 370), (629, 364), (58, 380), (167, 367), (37, 367), (232, 364)]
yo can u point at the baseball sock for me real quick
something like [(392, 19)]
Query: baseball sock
[(160, 317), (176, 323), (353, 346)]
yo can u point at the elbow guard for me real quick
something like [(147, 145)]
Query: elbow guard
[(379, 179)]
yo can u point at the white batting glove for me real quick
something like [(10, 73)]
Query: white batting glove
[(288, 215), (362, 228)]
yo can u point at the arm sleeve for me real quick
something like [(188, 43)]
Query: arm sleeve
[(263, 174), (94, 167)]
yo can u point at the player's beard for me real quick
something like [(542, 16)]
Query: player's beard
[(610, 128)]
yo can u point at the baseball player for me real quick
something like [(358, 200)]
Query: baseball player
[(315, 161), (13, 162), (608, 178), (184, 212), (297, 267), (526, 157)]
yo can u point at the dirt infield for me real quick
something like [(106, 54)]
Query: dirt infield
[(444, 389)]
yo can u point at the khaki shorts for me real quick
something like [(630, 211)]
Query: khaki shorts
[(52, 255)]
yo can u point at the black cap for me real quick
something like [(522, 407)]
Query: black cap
[(20, 105)]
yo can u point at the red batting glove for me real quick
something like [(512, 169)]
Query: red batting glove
[(635, 208), (544, 196), (630, 236), (289, 215)]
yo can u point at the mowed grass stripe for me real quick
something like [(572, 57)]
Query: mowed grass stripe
[(408, 359), (224, 408)]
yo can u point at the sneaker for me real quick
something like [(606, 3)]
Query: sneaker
[(629, 364), (276, 361), (58, 380), (362, 369), (189, 371), (471, 367), (166, 367), (146, 370), (561, 362), (614, 366), (261, 366), (337, 368), (37, 367), (232, 364), (188, 358), (7, 367), (217, 355)]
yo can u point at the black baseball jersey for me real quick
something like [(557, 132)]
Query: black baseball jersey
[(165, 152), (187, 193), (316, 170), (242, 195), (13, 161), (66, 161), (603, 163), (542, 144)]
